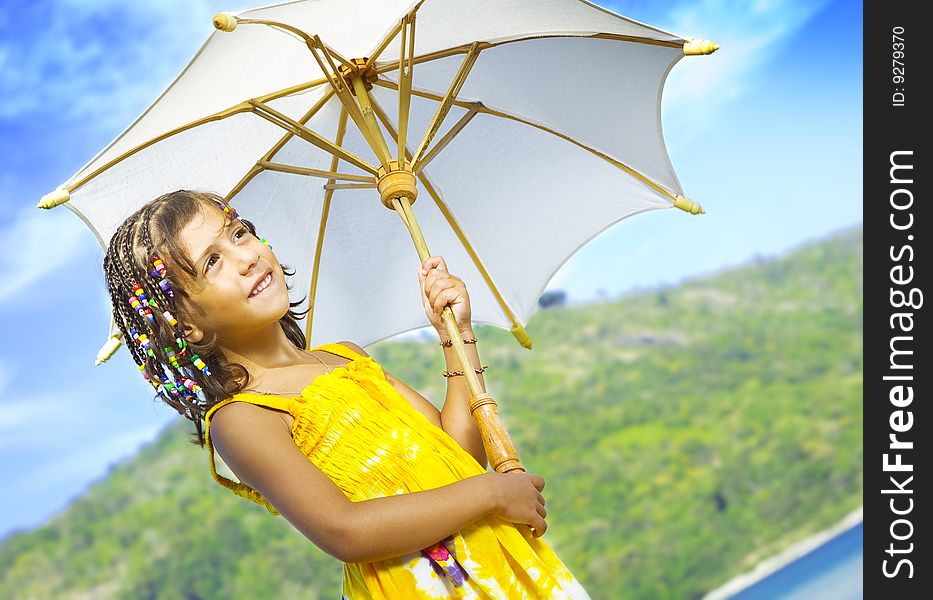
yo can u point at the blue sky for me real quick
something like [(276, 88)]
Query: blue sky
[(766, 134)]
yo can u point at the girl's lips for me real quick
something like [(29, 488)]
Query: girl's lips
[(268, 280)]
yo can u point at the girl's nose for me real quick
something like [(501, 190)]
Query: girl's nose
[(246, 259)]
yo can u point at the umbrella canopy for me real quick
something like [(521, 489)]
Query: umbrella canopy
[(529, 128)]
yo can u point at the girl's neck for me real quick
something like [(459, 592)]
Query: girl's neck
[(267, 348)]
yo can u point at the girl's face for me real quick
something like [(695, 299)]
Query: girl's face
[(239, 288)]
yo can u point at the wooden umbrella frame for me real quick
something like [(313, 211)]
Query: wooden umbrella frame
[(396, 175)]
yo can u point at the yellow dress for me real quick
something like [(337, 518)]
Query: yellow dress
[(371, 442)]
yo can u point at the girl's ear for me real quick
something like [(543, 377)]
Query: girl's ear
[(193, 333)]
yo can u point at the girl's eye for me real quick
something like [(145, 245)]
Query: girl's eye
[(237, 235)]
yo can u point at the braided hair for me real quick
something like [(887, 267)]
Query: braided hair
[(149, 306)]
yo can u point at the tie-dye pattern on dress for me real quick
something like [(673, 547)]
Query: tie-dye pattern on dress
[(371, 442)]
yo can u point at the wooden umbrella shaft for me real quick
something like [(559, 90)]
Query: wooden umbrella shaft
[(499, 448), (397, 190)]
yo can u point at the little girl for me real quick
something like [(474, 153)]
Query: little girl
[(357, 461)]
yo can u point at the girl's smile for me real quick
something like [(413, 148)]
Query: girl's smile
[(264, 283)]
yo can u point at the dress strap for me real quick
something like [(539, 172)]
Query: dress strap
[(339, 350)]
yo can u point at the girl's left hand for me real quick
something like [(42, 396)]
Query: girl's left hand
[(438, 289)]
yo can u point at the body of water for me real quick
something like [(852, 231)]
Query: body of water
[(832, 571)]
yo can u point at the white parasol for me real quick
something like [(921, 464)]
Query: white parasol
[(523, 130)]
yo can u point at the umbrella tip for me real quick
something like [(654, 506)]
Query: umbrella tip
[(225, 22), (699, 47), (107, 350), (521, 334), (53, 199), (688, 205)]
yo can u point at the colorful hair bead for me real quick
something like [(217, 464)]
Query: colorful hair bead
[(159, 265), (171, 357), (142, 369), (140, 302), (191, 384), (143, 340), (166, 287), (228, 210), (197, 362), (158, 273), (170, 318), (263, 240)]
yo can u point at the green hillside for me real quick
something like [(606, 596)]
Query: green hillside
[(685, 434)]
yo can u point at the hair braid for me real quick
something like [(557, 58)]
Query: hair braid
[(118, 281), (194, 410), (128, 270)]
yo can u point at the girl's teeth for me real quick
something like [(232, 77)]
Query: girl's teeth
[(265, 283)]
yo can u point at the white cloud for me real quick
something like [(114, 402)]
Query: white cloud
[(43, 242), (750, 34), (16, 414), (103, 60), (24, 417), (24, 423), (90, 461)]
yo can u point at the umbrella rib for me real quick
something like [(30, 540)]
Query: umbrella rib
[(446, 102), (325, 211), (384, 43), (234, 110), (356, 112), (223, 114), (350, 186), (481, 108), (374, 55), (405, 58), (517, 329), (362, 113), (465, 48), (338, 85), (296, 170), (257, 168), (448, 137), (316, 139), (291, 90), (309, 40)]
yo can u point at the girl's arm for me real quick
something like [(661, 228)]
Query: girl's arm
[(256, 444), (440, 289), (455, 414)]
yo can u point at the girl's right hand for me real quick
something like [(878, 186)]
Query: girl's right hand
[(518, 499)]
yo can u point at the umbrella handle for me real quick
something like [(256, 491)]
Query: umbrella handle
[(499, 448)]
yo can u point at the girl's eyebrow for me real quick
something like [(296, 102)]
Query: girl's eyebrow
[(207, 250)]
